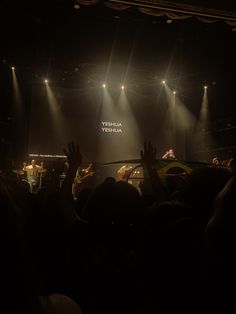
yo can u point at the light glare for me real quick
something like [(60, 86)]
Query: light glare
[(122, 87), (163, 82), (13, 68), (205, 87), (46, 81), (103, 85)]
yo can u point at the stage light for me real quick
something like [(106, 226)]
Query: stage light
[(205, 87), (122, 87), (46, 81), (163, 82), (104, 85), (13, 68), (174, 92)]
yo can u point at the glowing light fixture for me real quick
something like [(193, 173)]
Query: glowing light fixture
[(122, 87), (205, 87), (13, 68), (174, 92), (46, 81), (163, 82), (104, 85)]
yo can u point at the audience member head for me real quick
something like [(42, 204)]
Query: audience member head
[(109, 180), (24, 186), (114, 202)]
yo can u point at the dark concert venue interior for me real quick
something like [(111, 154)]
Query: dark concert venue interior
[(117, 156)]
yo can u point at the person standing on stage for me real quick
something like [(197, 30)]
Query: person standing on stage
[(33, 172), (124, 172), (169, 154)]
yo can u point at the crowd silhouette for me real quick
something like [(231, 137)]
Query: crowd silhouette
[(116, 250)]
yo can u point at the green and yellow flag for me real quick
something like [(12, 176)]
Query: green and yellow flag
[(173, 166)]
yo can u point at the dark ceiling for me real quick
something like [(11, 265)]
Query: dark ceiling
[(85, 46)]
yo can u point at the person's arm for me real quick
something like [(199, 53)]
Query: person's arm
[(41, 167), (152, 183), (222, 224), (74, 159)]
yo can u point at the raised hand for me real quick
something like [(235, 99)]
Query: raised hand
[(73, 155), (148, 154), (152, 184)]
